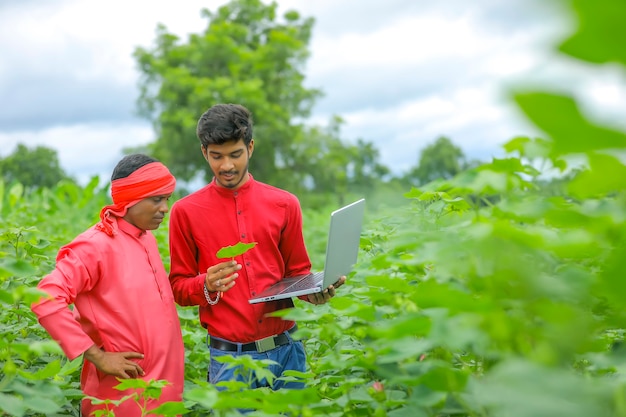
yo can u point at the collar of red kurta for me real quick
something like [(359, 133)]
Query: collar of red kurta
[(128, 228), (230, 192)]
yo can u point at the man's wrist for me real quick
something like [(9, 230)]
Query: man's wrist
[(93, 354), (207, 295)]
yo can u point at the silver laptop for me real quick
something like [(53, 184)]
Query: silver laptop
[(342, 249)]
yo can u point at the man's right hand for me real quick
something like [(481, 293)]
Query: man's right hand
[(118, 364), (221, 277)]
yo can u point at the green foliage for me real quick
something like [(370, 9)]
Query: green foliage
[(35, 378), (600, 32), (142, 393), (348, 168), (38, 167), (560, 118), (483, 296)]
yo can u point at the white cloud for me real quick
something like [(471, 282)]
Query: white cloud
[(606, 97), (83, 150), (410, 41), (510, 64), (400, 72), (469, 117), (93, 39)]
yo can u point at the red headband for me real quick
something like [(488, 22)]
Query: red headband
[(148, 181)]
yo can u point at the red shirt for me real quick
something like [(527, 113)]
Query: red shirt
[(213, 217), (122, 303)]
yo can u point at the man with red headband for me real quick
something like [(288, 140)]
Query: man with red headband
[(124, 321)]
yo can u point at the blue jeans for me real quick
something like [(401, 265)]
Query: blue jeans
[(287, 357)]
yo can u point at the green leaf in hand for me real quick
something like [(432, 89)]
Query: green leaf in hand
[(239, 249)]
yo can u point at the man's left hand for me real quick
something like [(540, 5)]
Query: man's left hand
[(327, 294)]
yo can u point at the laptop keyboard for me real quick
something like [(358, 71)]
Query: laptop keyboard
[(309, 281)]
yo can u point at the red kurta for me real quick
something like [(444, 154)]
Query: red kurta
[(122, 302), (213, 217)]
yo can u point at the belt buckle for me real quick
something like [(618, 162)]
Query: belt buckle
[(263, 345)]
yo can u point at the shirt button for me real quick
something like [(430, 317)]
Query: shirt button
[(243, 235)]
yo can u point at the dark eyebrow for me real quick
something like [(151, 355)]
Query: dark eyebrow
[(220, 153)]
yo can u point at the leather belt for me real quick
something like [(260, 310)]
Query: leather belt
[(262, 345)]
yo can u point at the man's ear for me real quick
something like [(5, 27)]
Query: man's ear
[(204, 150), (250, 148)]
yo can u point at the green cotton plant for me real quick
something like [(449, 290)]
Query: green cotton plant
[(206, 398), (248, 369), (35, 377), (520, 297), (31, 232), (143, 392)]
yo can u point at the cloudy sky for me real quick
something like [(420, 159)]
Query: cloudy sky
[(399, 72)]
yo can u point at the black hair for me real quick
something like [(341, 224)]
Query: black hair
[(225, 123), (130, 164)]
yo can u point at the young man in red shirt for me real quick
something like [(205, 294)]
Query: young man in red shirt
[(233, 208)]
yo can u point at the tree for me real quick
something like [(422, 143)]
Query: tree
[(322, 163), (38, 167), (245, 56), (366, 167), (442, 159)]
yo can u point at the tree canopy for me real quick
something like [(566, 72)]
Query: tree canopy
[(441, 159), (244, 56), (248, 56), (36, 167)]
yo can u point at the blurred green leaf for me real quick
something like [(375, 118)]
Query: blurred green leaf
[(433, 294), (528, 148), (440, 377), (570, 131), (16, 267), (169, 408), (606, 175), (203, 396), (601, 31), (518, 388), (14, 405)]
